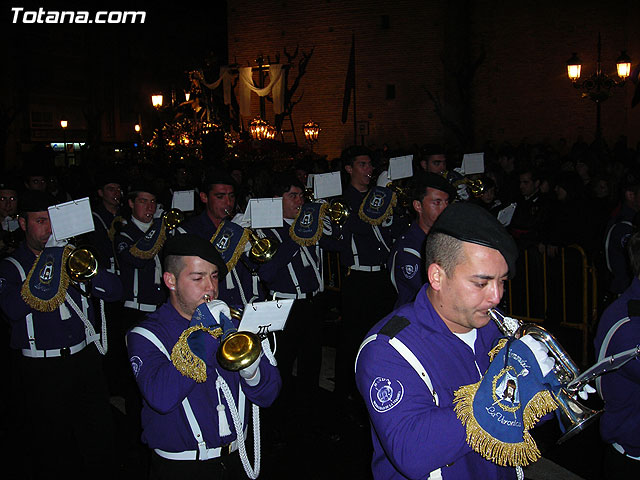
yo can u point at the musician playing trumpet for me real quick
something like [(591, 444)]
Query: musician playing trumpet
[(58, 371), (434, 354)]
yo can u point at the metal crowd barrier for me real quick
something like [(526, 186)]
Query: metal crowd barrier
[(560, 292)]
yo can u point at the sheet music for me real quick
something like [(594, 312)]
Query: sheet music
[(184, 200), (473, 163), (71, 219), (506, 214), (265, 212), (326, 185), (265, 317), (400, 167)]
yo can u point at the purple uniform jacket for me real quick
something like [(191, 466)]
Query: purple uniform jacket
[(99, 238), (163, 388), (51, 332), (149, 292), (406, 264), (202, 226), (411, 435), (620, 422), (618, 232), (371, 251)]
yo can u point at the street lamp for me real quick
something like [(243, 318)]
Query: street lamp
[(64, 124), (598, 87), (258, 129), (156, 101), (311, 131)]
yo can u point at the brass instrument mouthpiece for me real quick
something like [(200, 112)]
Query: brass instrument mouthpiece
[(207, 297)]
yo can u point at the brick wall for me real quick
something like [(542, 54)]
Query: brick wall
[(519, 90)]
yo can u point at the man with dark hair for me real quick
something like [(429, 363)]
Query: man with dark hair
[(366, 243), (106, 209), (433, 159), (53, 327), (296, 271), (10, 231), (430, 195), (531, 211), (412, 361), (619, 331), (190, 401), (218, 194)]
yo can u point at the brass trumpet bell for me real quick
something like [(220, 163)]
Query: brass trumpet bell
[(82, 264), (238, 350), (173, 218), (338, 211), (262, 249)]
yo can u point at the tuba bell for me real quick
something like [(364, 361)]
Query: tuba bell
[(575, 416), (173, 218), (476, 186)]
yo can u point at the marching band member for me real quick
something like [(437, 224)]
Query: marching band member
[(68, 429), (413, 361), (366, 242), (430, 195), (190, 402), (241, 284), (619, 330)]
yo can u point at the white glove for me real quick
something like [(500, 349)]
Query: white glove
[(459, 170), (383, 179), (545, 362), (462, 192), (216, 307), (52, 242), (159, 211), (586, 390), (251, 374)]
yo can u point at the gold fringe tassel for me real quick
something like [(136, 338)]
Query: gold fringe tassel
[(53, 303), (307, 242), (494, 351), (239, 247), (147, 254), (505, 454), (185, 361), (379, 220)]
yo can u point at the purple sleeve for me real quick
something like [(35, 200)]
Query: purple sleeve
[(107, 286), (11, 301), (266, 391), (162, 386), (416, 435)]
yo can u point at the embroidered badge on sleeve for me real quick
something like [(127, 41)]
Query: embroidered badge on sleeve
[(384, 394)]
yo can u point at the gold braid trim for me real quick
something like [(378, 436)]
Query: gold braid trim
[(494, 351), (112, 228), (185, 361), (147, 254), (381, 219), (55, 302), (505, 454), (307, 242), (237, 253), (541, 404)]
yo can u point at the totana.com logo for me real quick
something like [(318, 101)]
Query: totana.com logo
[(20, 15)]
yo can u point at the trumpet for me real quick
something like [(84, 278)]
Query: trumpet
[(475, 186), (338, 211), (82, 266), (173, 218), (575, 416), (262, 249), (404, 197), (237, 350)]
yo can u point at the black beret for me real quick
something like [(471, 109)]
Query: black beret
[(9, 183), (35, 201), (472, 223), (190, 245), (139, 185), (108, 176), (217, 177), (433, 180)]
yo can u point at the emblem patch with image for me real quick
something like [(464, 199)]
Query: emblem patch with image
[(384, 394), (410, 271)]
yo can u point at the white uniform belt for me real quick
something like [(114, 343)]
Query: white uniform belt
[(619, 448), (143, 307), (55, 352), (193, 454), (298, 296), (366, 268)]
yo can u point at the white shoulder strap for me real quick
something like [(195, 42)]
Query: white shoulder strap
[(608, 239), (31, 337), (605, 346), (408, 355), (95, 215), (191, 418)]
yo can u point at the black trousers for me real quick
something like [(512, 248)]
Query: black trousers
[(366, 298), (223, 468), (301, 340), (68, 421)]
